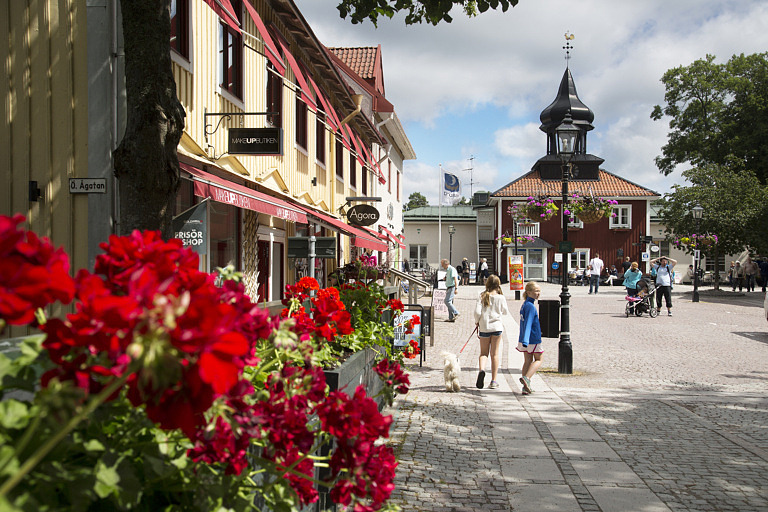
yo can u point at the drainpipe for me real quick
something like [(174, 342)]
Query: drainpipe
[(358, 99)]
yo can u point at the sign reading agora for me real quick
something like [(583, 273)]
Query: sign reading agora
[(362, 215)]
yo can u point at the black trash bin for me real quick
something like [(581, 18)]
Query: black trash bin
[(549, 318)]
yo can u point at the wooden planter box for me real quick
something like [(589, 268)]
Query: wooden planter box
[(357, 370)]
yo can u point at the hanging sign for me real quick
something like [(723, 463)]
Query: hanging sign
[(362, 215), (515, 272), (191, 227), (255, 141)]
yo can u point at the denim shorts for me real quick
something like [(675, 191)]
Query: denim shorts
[(489, 334)]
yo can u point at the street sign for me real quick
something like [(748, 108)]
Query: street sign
[(87, 185), (565, 247), (555, 265), (298, 247)]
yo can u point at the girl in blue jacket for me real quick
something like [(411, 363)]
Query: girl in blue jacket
[(529, 341)]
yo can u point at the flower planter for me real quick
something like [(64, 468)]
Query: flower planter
[(357, 370), (590, 217)]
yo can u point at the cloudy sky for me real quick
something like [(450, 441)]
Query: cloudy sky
[(476, 87)]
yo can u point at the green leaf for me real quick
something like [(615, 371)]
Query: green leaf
[(7, 453), (107, 480), (14, 414)]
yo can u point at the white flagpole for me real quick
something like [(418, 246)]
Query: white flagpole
[(440, 186)]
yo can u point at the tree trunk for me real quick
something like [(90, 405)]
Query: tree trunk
[(146, 164)]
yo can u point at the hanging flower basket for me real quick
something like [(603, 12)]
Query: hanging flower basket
[(521, 239), (589, 208), (701, 242), (538, 208)]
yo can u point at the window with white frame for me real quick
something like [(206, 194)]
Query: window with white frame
[(579, 257), (622, 217)]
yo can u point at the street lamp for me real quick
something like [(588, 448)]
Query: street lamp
[(566, 135), (698, 212), (451, 231)]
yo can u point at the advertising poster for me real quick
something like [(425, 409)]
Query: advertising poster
[(438, 303), (472, 272), (191, 227), (402, 339), (516, 272)]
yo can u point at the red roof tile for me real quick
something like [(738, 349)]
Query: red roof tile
[(609, 185), (361, 60)]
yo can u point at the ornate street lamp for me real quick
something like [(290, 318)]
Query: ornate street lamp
[(451, 231), (566, 134), (698, 212)]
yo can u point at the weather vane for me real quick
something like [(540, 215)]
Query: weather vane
[(568, 38)]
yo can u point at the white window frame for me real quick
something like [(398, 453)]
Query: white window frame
[(623, 218), (576, 257)]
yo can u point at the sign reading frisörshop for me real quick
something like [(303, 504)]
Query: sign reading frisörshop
[(191, 227), (362, 215)]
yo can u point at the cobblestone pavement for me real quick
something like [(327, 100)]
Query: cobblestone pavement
[(667, 413)]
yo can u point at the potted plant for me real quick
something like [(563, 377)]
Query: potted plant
[(695, 241), (589, 208), (536, 208)]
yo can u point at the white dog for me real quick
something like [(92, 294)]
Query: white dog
[(452, 372)]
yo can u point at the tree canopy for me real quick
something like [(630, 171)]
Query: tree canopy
[(416, 200), (719, 113), (418, 11)]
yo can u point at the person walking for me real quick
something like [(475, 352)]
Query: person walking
[(736, 274), (490, 308), (662, 269), (464, 272), (451, 287), (483, 269), (596, 269), (763, 266), (750, 271), (529, 339)]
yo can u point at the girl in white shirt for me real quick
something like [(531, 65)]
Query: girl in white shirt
[(489, 310)]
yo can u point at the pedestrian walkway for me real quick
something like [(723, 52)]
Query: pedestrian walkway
[(567, 448)]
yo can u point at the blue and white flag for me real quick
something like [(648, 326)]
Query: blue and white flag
[(451, 189)]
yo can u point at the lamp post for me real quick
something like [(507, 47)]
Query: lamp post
[(451, 231), (566, 135), (698, 212)]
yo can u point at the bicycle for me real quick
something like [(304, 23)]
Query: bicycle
[(405, 287)]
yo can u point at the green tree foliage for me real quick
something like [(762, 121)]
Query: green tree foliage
[(734, 203), (418, 11), (416, 200), (464, 201), (719, 112)]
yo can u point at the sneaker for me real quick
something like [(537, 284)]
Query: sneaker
[(669, 313), (526, 382), (480, 380), (493, 385), (456, 315), (451, 319)]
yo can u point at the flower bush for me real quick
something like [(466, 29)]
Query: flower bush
[(536, 208), (695, 241), (521, 239), (163, 391), (589, 208)]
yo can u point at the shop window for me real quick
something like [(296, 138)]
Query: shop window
[(185, 197), (301, 123), (180, 27), (352, 170), (622, 218), (339, 160), (709, 264), (231, 56), (224, 235), (320, 137), (364, 179), (274, 97)]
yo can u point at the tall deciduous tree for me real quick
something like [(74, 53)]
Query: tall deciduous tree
[(734, 203), (719, 112), (146, 163), (418, 11)]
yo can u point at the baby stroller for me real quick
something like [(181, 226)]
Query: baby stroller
[(644, 302)]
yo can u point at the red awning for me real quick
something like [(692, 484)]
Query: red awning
[(393, 237), (225, 11), (306, 92), (359, 237), (224, 191), (272, 53)]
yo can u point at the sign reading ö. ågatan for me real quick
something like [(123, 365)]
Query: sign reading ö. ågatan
[(255, 141), (362, 215)]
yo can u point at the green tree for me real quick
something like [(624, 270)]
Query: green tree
[(464, 201), (418, 11), (718, 113), (416, 200), (734, 203)]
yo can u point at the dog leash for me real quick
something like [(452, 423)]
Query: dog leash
[(470, 337)]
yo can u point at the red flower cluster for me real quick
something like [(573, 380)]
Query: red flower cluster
[(329, 315), (32, 273), (147, 301), (393, 375), (412, 349), (364, 468), (395, 305)]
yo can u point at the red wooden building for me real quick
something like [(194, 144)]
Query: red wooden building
[(614, 238)]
